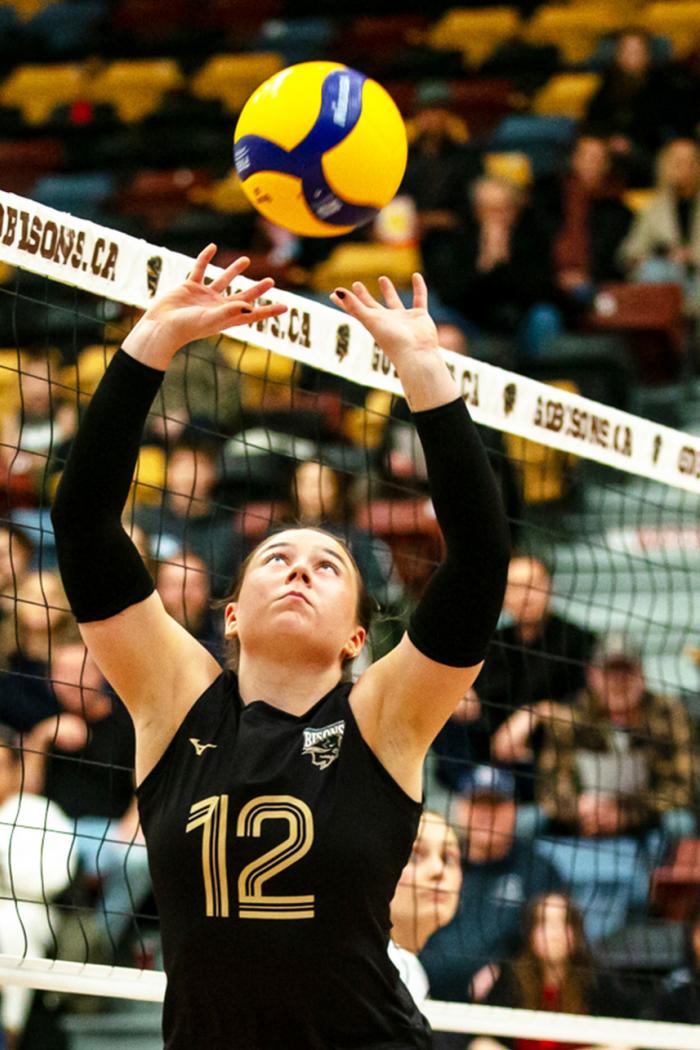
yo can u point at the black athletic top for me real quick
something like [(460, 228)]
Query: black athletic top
[(275, 844)]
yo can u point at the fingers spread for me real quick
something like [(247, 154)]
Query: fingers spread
[(230, 273), (363, 295), (201, 262), (348, 302), (256, 290), (239, 313), (420, 292), (391, 296)]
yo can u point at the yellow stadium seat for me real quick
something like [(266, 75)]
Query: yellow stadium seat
[(366, 424), (474, 32), (513, 166), (37, 90), (566, 95), (233, 78), (87, 371), (135, 89), (149, 476), (265, 378), (365, 262), (9, 380), (574, 30), (638, 200), (26, 9), (679, 21), (544, 472), (226, 195)]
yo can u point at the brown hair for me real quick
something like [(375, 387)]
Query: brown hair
[(366, 604), (528, 970)]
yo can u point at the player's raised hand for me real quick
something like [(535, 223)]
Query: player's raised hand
[(398, 330), (195, 310)]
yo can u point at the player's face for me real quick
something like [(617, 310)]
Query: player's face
[(428, 890), (300, 589), (552, 935)]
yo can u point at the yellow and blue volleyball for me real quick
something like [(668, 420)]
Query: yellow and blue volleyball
[(320, 148)]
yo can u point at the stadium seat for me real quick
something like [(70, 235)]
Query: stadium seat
[(66, 29), (365, 425), (265, 378), (675, 887), (513, 166), (574, 29), (475, 32), (364, 262), (89, 367), (296, 39), (566, 95), (37, 90), (638, 200), (546, 140), (26, 9), (135, 88), (652, 315), (483, 103), (22, 162), (225, 195), (232, 78), (678, 21), (149, 476), (159, 196), (79, 194), (410, 529)]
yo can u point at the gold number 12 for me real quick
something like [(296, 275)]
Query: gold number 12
[(211, 814)]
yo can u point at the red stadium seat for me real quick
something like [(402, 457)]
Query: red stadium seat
[(23, 162), (675, 887)]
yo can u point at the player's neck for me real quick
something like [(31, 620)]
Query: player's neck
[(288, 686)]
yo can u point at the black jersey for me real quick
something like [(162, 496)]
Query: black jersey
[(275, 844)]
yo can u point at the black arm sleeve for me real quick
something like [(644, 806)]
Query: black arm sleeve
[(458, 612), (101, 569)]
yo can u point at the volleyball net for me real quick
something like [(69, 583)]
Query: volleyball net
[(301, 419)]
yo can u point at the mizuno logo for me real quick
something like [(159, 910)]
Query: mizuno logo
[(200, 748)]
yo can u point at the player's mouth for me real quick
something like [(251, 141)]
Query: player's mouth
[(296, 594)]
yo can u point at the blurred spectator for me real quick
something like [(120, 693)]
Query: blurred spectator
[(538, 654), (16, 552), (42, 622), (500, 874), (496, 268), (664, 242), (183, 585), (633, 107), (426, 898), (321, 496), (439, 166), (37, 429), (588, 218), (83, 760), (620, 759), (554, 970), (201, 388), (37, 862), (680, 996), (190, 518)]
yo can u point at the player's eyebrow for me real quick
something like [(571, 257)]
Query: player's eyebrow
[(285, 544)]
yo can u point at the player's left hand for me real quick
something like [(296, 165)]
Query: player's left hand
[(397, 330)]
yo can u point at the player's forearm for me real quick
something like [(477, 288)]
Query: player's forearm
[(101, 569), (426, 380), (457, 615)]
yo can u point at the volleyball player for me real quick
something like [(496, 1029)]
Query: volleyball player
[(280, 803)]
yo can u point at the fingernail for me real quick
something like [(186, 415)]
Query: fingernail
[(340, 293), (246, 309)]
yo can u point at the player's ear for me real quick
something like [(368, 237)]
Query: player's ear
[(231, 620), (354, 644)]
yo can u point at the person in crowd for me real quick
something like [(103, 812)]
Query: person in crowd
[(554, 970), (42, 620), (500, 873), (439, 161), (321, 496), (16, 553), (37, 863), (189, 517), (83, 761), (634, 108), (664, 241), (619, 759), (426, 899), (588, 219), (537, 654), (495, 269), (183, 585), (679, 1000)]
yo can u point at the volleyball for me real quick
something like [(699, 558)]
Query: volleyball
[(320, 148)]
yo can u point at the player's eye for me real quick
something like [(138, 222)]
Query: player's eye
[(277, 555), (329, 565)]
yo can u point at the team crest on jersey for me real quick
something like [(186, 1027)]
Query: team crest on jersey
[(324, 744)]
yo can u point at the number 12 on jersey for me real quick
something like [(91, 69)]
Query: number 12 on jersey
[(211, 814)]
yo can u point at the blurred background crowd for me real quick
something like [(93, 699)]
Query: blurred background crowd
[(552, 198)]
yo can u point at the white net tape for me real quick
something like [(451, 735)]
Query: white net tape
[(116, 266)]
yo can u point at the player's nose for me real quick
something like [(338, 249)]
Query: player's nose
[(298, 570)]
